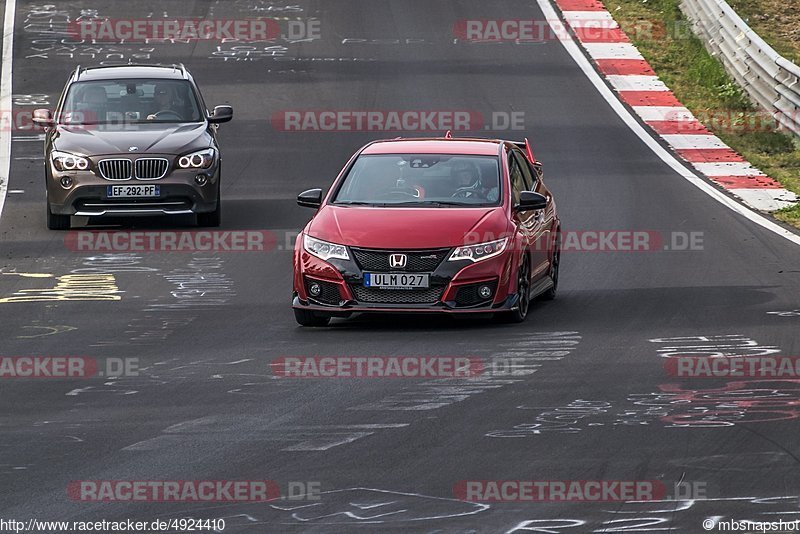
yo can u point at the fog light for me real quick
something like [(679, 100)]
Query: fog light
[(201, 179), (314, 289), (485, 292), (66, 182)]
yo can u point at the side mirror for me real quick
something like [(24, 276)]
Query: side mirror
[(221, 114), (531, 200), (43, 117), (310, 199)]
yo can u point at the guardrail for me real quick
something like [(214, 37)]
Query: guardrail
[(770, 79)]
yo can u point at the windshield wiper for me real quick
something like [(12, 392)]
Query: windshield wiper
[(433, 203), (451, 203), (422, 203), (409, 203)]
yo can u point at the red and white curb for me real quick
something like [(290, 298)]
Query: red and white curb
[(637, 85)]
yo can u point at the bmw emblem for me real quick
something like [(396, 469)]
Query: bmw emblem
[(133, 149)]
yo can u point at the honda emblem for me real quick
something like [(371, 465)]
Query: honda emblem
[(397, 261)]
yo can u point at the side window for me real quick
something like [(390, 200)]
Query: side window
[(537, 172), (530, 181), (517, 179)]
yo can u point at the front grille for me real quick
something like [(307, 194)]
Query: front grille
[(329, 294), (151, 168), (397, 296), (418, 261), (115, 169), (468, 295)]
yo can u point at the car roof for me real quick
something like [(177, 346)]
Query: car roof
[(442, 145), (168, 72)]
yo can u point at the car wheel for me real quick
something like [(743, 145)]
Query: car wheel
[(523, 293), (550, 294), (309, 318), (56, 222), (211, 219)]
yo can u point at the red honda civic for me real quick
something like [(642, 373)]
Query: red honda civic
[(441, 225)]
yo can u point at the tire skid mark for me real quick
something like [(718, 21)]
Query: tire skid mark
[(527, 352), (737, 402)]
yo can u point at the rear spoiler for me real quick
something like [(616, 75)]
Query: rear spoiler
[(525, 146)]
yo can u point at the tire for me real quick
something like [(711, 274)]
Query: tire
[(211, 219), (523, 292), (550, 294), (57, 222), (309, 318)]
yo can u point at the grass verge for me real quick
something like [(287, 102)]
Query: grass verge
[(700, 82), (775, 21)]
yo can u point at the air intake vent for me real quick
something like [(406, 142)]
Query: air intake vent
[(397, 296)]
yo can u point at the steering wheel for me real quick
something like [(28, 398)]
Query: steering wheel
[(465, 192), (167, 114)]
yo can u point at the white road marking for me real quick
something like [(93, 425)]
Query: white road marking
[(664, 113), (732, 168), (770, 199), (590, 19), (209, 431), (6, 89), (604, 50), (631, 82), (705, 141), (665, 156)]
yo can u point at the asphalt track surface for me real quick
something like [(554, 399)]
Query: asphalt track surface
[(387, 453)]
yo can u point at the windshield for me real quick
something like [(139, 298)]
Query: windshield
[(421, 179), (130, 102)]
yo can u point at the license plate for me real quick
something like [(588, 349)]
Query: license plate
[(396, 280), (132, 191)]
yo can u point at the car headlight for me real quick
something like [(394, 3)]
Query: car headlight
[(479, 252), (202, 159), (324, 250), (64, 161)]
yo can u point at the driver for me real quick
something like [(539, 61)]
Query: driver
[(468, 182), (465, 174), (164, 100)]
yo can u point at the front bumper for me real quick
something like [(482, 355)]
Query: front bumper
[(350, 308), (453, 288), (179, 194)]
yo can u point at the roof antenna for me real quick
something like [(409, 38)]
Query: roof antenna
[(448, 135)]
